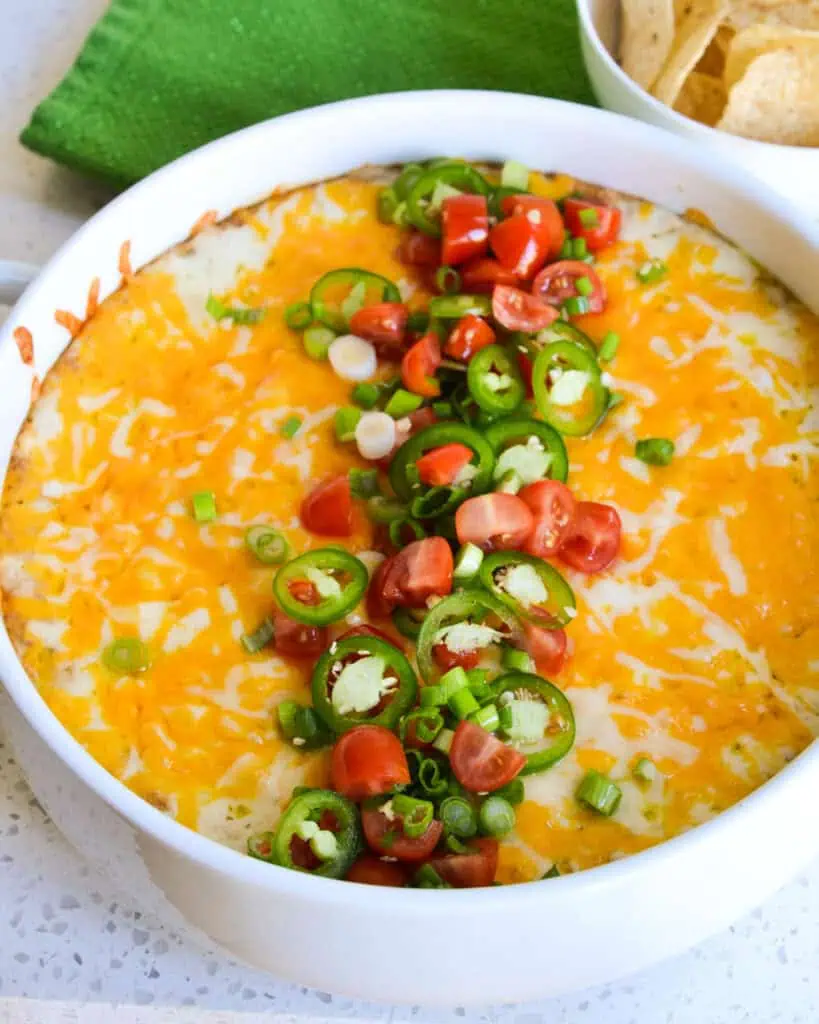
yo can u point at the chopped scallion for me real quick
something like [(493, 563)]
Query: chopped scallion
[(599, 793), (426, 877), (416, 815), (588, 217), (267, 544), (203, 504), (386, 205), (462, 703), (486, 717), (453, 681), (443, 410), (405, 530), (238, 314), (430, 778), (608, 347), (433, 696), (447, 280), (443, 741), (651, 271), (580, 249), (317, 340), (516, 660), (345, 422), (366, 395), (385, 510), (363, 482), (354, 301), (290, 427), (259, 638), (655, 451), (584, 286), (577, 305), (126, 655), (645, 770), (298, 316), (402, 403), (496, 816), (513, 791), (458, 817), (467, 562)]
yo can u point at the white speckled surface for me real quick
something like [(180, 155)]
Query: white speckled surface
[(72, 948)]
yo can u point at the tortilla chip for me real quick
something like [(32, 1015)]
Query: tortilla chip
[(697, 25), (752, 42), (702, 98), (795, 13), (646, 35), (776, 100), (713, 60)]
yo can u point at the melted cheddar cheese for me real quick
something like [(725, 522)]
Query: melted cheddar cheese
[(698, 649)]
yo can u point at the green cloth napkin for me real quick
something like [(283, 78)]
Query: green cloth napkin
[(157, 78)]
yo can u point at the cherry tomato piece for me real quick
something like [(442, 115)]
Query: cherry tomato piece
[(549, 648), (465, 227), (605, 226), (419, 571), (543, 215), (481, 275), (296, 640), (520, 245), (469, 336), (367, 761), (593, 539), (558, 282), (383, 324), (517, 310), (379, 606), (328, 509), (419, 365), (495, 522), (419, 250), (446, 659), (385, 836), (369, 870), (480, 762), (469, 870), (440, 466), (552, 504)]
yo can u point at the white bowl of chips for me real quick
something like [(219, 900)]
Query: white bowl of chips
[(739, 75)]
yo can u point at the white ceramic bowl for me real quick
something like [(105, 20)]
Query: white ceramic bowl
[(496, 944), (790, 169)]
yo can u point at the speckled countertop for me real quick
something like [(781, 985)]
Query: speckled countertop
[(74, 949)]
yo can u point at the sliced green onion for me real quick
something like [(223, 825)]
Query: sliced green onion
[(443, 410), (553, 872), (290, 427), (580, 249), (454, 680), (317, 340), (448, 280), (301, 726), (462, 703), (455, 845), (426, 877), (513, 791), (655, 451), (407, 621), (443, 741), (403, 184), (399, 216), (416, 814), (238, 314), (385, 510), (599, 793), (366, 395), (262, 846), (363, 482), (398, 530), (298, 316), (567, 249), (467, 562), (259, 638), (267, 544), (577, 305), (428, 723), (584, 286), (458, 817), (402, 403), (345, 422), (608, 347), (515, 175), (477, 679), (386, 205), (354, 300), (645, 770), (517, 661), (126, 655), (510, 483), (441, 192), (433, 502), (651, 271), (430, 778), (203, 504), (486, 717), (496, 816), (433, 696), (588, 218)]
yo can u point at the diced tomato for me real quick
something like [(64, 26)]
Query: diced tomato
[(469, 870), (446, 659), (419, 571), (367, 761), (386, 836), (296, 640), (593, 539), (419, 250), (367, 630), (328, 509), (549, 648), (469, 336), (440, 466), (304, 592), (604, 232), (526, 366), (379, 606), (419, 365), (383, 324), (465, 227), (517, 310), (480, 762), (543, 215), (369, 870), (495, 522), (481, 275), (552, 504), (520, 245), (558, 282)]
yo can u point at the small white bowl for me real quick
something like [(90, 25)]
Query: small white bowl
[(792, 170)]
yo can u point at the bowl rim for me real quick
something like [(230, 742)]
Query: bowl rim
[(210, 854), (692, 126)]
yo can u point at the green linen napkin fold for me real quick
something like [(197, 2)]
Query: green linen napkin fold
[(157, 78)]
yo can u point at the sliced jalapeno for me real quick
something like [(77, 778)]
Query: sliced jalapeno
[(468, 608), (536, 718), (321, 586), (562, 330), (330, 291), (454, 173), (516, 431), (494, 380), (570, 395), (532, 588), (326, 823), (362, 680), (408, 621), (453, 307), (404, 479)]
